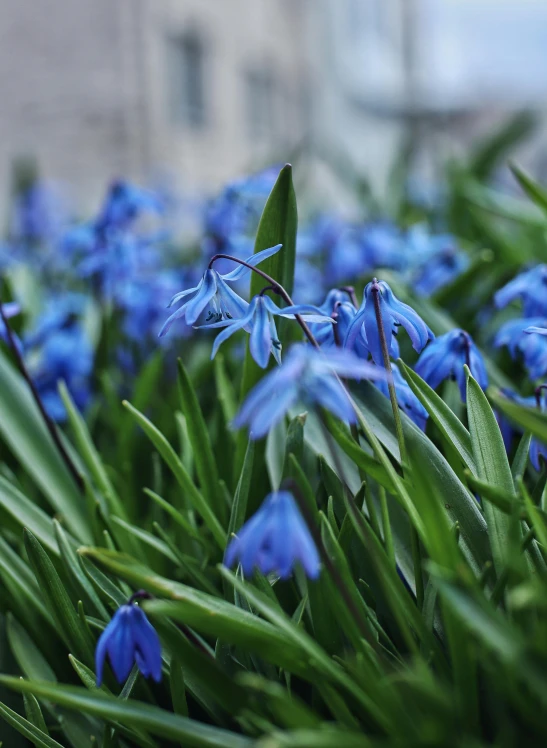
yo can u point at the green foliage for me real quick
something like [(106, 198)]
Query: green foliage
[(355, 658)]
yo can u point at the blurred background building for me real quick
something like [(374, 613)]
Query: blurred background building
[(204, 90)]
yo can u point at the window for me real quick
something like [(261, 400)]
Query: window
[(186, 61), (260, 103)]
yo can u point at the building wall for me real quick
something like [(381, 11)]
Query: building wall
[(238, 37), (84, 87), (62, 89)]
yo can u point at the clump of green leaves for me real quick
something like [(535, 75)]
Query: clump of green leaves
[(449, 652)]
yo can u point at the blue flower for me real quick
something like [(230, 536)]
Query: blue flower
[(259, 321), (129, 638), (538, 450), (533, 348), (406, 398), (124, 203), (445, 358), (441, 269), (59, 349), (213, 292), (307, 376), (394, 313), (275, 539), (529, 286)]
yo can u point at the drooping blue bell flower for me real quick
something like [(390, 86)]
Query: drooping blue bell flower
[(394, 313), (440, 270), (445, 358), (307, 376), (532, 347), (530, 287), (129, 638), (124, 204), (275, 540), (58, 348), (406, 399), (538, 450), (259, 321), (214, 293)]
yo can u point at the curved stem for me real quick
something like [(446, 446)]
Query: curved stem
[(276, 287), (50, 425)]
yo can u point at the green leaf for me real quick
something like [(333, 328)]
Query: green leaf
[(75, 572), (204, 612), (172, 460), (34, 713), (89, 454), (366, 462), (446, 421), (29, 658), (225, 389), (57, 600), (27, 514), (178, 688), (26, 728), (204, 458), (278, 225), (318, 658), (531, 419), (492, 466), (493, 149), (24, 432), (533, 189), (239, 506), (458, 501), (134, 714)]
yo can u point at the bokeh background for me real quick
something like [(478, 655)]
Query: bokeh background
[(192, 93)]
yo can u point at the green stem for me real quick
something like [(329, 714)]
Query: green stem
[(414, 539), (386, 524)]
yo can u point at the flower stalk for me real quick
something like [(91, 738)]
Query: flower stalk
[(50, 425)]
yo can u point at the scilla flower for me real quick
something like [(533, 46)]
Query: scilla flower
[(259, 321), (529, 286), (446, 357), (214, 293), (275, 539), (406, 398), (308, 377), (393, 313), (129, 638), (532, 348)]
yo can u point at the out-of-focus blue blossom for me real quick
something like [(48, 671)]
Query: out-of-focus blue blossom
[(39, 215), (259, 322), (275, 540), (405, 397), (445, 358), (230, 219), (214, 293), (530, 287), (436, 258), (307, 377), (108, 249), (309, 281), (58, 349), (508, 429), (140, 299), (394, 313), (361, 249), (123, 205), (532, 348), (129, 638)]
